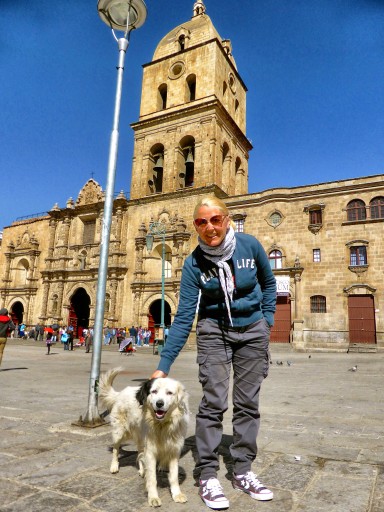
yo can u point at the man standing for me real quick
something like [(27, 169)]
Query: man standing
[(133, 334), (6, 326), (88, 340), (70, 336)]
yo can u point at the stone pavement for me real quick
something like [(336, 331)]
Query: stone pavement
[(321, 443)]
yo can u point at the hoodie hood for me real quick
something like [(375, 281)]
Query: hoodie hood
[(3, 311)]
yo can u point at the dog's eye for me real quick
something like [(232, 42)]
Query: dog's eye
[(154, 391), (169, 393)]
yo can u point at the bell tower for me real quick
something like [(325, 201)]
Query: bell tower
[(191, 129)]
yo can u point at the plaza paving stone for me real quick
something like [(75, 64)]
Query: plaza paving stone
[(321, 442)]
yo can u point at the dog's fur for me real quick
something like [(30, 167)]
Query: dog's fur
[(155, 417)]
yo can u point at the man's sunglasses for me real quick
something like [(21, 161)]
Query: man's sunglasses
[(216, 221)]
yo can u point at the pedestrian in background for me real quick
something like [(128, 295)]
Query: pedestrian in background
[(48, 341), (228, 278), (133, 334), (6, 326), (88, 340), (71, 334), (64, 338)]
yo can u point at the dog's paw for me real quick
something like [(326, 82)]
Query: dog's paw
[(180, 498), (154, 501), (114, 468)]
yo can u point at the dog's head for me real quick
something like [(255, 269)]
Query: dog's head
[(162, 396)]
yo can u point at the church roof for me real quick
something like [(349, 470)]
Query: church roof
[(200, 29)]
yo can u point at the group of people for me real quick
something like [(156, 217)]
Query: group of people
[(140, 335)]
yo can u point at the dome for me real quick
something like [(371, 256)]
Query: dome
[(198, 30)]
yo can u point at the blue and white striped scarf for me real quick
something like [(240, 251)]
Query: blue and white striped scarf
[(220, 255)]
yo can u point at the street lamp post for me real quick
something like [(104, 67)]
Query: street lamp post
[(121, 15), (159, 229)]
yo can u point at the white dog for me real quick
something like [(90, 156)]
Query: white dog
[(154, 416)]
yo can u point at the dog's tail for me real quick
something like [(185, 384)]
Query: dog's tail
[(106, 392)]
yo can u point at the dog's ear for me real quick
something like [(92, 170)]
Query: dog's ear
[(182, 398), (143, 392)]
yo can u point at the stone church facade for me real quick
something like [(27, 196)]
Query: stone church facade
[(324, 241)]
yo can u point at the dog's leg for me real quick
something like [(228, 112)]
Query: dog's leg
[(115, 457), (173, 478), (150, 479), (141, 462)]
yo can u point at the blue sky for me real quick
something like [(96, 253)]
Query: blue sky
[(314, 72)]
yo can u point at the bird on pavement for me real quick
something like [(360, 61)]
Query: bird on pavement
[(353, 369)]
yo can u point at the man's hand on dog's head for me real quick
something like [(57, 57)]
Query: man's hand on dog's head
[(158, 374)]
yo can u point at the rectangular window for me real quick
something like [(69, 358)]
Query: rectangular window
[(239, 225), (316, 255), (358, 256), (89, 232), (168, 264), (318, 304), (315, 217)]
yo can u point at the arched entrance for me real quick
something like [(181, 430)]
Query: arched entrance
[(79, 311), (17, 313), (154, 316)]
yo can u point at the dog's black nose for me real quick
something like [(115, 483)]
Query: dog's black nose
[(159, 404)]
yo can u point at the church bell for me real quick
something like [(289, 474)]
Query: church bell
[(160, 163), (189, 159)]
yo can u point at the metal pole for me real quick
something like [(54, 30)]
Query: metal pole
[(92, 417), (162, 285)]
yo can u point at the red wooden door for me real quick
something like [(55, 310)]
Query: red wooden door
[(72, 320), (361, 312), (151, 327), (280, 332)]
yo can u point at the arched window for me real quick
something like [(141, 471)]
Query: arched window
[(181, 41), (82, 259), (318, 304), (225, 152), (356, 210), (156, 167), (191, 87), (22, 272), (225, 87), (377, 208), (162, 92), (168, 262), (275, 259), (186, 162)]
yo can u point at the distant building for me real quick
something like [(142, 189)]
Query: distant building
[(324, 241)]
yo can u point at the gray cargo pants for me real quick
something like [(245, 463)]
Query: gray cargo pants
[(246, 350)]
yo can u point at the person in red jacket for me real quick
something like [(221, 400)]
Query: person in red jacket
[(6, 326)]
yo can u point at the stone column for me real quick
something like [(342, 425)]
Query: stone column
[(51, 240), (44, 306), (8, 259), (60, 294), (113, 296)]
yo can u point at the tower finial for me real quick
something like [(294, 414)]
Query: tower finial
[(198, 8)]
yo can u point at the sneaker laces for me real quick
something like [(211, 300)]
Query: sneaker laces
[(214, 486), (252, 479)]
